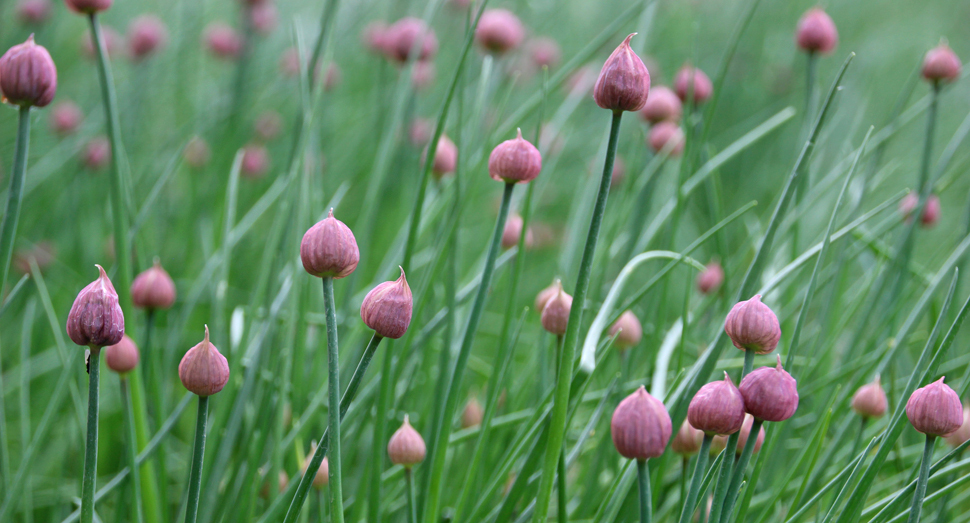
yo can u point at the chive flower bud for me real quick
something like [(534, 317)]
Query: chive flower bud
[(687, 441), (329, 249), (702, 88), (472, 415), (710, 279), (717, 408), (770, 394), (268, 125), (720, 442), (624, 82), (122, 357), (33, 12), (65, 118), (96, 319), (640, 426), (935, 409), (153, 289), (406, 446), (223, 41), (752, 325), (627, 331), (662, 106), (203, 370), (97, 153), (941, 64), (255, 161), (387, 308), (513, 231), (28, 76), (555, 313), (816, 32), (88, 6), (499, 31), (404, 34), (197, 152), (545, 294), (445, 158), (515, 161), (322, 476), (146, 34), (962, 434), (666, 136), (870, 400), (931, 211), (544, 52)]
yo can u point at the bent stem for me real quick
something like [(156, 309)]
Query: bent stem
[(132, 449), (333, 385), (735, 487), (15, 195), (643, 480), (924, 473), (91, 441), (198, 451), (695, 481)]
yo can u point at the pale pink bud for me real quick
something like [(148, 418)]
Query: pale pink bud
[(263, 18), (870, 400), (27, 75), (97, 153), (223, 41), (770, 393), (322, 477), (662, 105), (752, 325), (146, 34), (666, 136), (941, 64), (717, 408), (624, 82), (112, 43), (544, 52), (472, 415), (268, 125), (122, 357), (515, 161), (545, 294), (555, 313), (153, 288), (203, 370), (196, 152), (720, 442), (687, 441), (96, 319), (33, 12), (962, 434), (619, 172), (290, 62), (499, 31), (816, 32), (329, 249), (404, 34), (65, 118), (255, 161), (627, 331), (387, 308), (420, 131), (445, 158), (935, 409), (702, 84), (422, 75), (640, 426), (931, 211), (375, 37), (406, 446), (513, 231), (88, 6), (710, 279)]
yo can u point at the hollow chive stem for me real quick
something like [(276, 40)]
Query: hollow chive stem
[(409, 485), (333, 386), (643, 481), (310, 472), (811, 66), (131, 445), (735, 485), (15, 194), (924, 474), (198, 451), (695, 482), (444, 424), (91, 440), (557, 427)]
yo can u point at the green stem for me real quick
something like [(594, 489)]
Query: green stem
[(333, 385), (695, 481), (557, 428), (924, 474), (727, 465), (735, 486), (15, 195), (810, 69), (91, 441), (409, 484), (444, 424), (132, 449), (379, 447), (198, 451), (643, 480), (561, 494)]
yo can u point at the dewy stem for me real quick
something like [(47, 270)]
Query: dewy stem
[(643, 480), (91, 440), (695, 482), (924, 473), (132, 453), (735, 485), (15, 194), (198, 452), (444, 424), (333, 386), (557, 426)]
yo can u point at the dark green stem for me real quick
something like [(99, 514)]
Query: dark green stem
[(695, 481), (811, 67), (132, 448), (735, 486), (727, 465), (379, 447), (643, 480), (15, 194), (561, 494), (198, 453), (91, 441), (333, 386), (924, 474), (409, 484)]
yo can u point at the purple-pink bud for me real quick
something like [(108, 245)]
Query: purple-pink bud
[(702, 88), (545, 294), (422, 75), (329, 249), (515, 161), (770, 393), (263, 18), (387, 308), (941, 64), (406, 446), (223, 41), (931, 211), (472, 415), (816, 32), (322, 477), (203, 370), (627, 331), (710, 279), (720, 442), (717, 408), (404, 34), (513, 231), (88, 6), (555, 313), (96, 319), (97, 153), (153, 288), (962, 434), (499, 31), (375, 38), (624, 82), (122, 357), (33, 12), (662, 105), (544, 52), (146, 34), (255, 161), (687, 441), (870, 400), (752, 325), (445, 158), (65, 117), (27, 75), (666, 136), (640, 426), (935, 409)]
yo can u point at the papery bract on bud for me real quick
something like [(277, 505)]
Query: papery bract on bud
[(555, 313), (515, 161), (406, 446), (770, 393), (545, 294), (624, 82), (96, 318), (499, 31), (717, 408), (627, 330), (153, 288), (869, 401), (122, 357), (752, 325), (662, 105), (816, 32), (203, 370), (935, 409), (28, 76), (329, 249), (387, 308), (640, 426)]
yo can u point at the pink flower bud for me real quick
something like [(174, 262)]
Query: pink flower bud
[(404, 34), (33, 12), (422, 75), (282, 481), (515, 161), (711, 278), (640, 426), (702, 84), (544, 52), (666, 136), (513, 231), (752, 325), (387, 308), (406, 446), (935, 409), (329, 249), (203, 370), (627, 330), (941, 64), (687, 441), (717, 408), (65, 118), (255, 161), (555, 313), (545, 294), (196, 152), (112, 43), (962, 434), (153, 288), (322, 477), (931, 211), (720, 442), (662, 105), (770, 394), (223, 41), (472, 415), (445, 158), (870, 400), (816, 32), (96, 319), (619, 172), (97, 153), (499, 31), (27, 75), (624, 82), (122, 357), (268, 125), (419, 132), (88, 6), (146, 34), (263, 18), (375, 38)]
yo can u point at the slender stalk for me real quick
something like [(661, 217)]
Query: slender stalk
[(643, 480), (91, 441), (727, 465), (15, 194), (695, 481), (333, 385), (924, 474), (561, 494), (131, 444), (811, 66), (444, 424), (735, 487), (557, 428), (198, 451), (412, 507), (379, 447)]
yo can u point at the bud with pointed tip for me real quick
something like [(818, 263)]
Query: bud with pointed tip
[(122, 357), (717, 408), (687, 441), (816, 32), (146, 34), (666, 136), (513, 231), (65, 117), (88, 6), (770, 393), (640, 426), (941, 64), (329, 249), (662, 106), (624, 82), (702, 89), (935, 409), (627, 331), (404, 35), (545, 294), (711, 278), (28, 76), (555, 313), (515, 161), (499, 31), (96, 319), (472, 415), (387, 308), (322, 477), (406, 446), (870, 400), (203, 370), (153, 289), (752, 325), (962, 434), (445, 158), (931, 211)]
